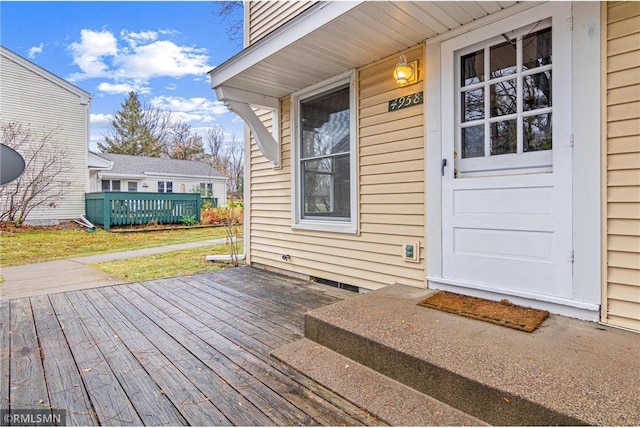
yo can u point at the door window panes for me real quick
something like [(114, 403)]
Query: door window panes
[(504, 100)]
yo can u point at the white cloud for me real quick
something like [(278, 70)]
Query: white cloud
[(100, 118), (36, 50), (161, 58), (132, 59), (133, 39), (88, 54), (189, 105), (123, 88)]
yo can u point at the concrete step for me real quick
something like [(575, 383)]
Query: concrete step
[(388, 400), (568, 372)]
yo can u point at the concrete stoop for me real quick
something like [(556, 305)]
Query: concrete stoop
[(410, 365)]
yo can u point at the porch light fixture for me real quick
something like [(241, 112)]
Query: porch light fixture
[(405, 73)]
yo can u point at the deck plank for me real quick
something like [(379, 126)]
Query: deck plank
[(64, 384), (28, 388), (289, 328), (289, 318), (192, 404), (303, 398), (153, 407), (180, 351), (194, 360), (227, 314), (110, 402), (5, 354), (189, 332)]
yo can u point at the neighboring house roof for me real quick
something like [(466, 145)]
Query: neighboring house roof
[(84, 95), (142, 165)]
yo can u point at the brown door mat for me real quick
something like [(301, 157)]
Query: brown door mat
[(502, 313)]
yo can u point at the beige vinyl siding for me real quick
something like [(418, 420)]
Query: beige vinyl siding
[(266, 16), (622, 163), (390, 158), (39, 103)]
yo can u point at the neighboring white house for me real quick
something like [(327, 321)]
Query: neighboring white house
[(42, 102), (125, 173)]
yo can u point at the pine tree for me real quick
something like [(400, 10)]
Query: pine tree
[(134, 130)]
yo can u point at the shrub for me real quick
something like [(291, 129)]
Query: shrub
[(188, 220)]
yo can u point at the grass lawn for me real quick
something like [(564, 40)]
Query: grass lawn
[(166, 265), (34, 246)]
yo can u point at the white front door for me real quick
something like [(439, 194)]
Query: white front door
[(506, 184)]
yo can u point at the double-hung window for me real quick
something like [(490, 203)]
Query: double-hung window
[(110, 185), (324, 151), (165, 186), (206, 190)]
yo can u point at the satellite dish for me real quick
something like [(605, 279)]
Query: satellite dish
[(11, 165)]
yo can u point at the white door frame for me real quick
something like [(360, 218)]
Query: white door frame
[(585, 98)]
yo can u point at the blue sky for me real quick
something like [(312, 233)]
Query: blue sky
[(162, 50)]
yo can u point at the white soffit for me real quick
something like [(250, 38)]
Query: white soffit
[(333, 37)]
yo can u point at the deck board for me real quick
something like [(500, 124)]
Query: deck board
[(182, 351), (27, 382), (64, 384), (5, 345), (150, 404)]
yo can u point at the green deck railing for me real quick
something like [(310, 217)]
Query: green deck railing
[(130, 208)]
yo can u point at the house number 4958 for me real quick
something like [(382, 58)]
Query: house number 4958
[(406, 101)]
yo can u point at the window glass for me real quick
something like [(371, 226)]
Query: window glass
[(503, 59), (504, 98), (473, 142), (132, 186), (325, 124), (106, 185), (169, 186), (537, 132), (504, 136), (472, 68), (325, 161), (536, 90), (473, 105), (536, 49)]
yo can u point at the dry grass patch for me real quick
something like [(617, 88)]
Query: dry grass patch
[(166, 265), (41, 244)]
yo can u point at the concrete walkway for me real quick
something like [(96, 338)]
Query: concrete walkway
[(74, 274)]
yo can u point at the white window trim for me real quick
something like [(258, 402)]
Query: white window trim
[(297, 222)]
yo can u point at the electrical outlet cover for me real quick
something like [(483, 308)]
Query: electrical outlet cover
[(411, 251)]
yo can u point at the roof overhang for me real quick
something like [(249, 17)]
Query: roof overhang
[(331, 38)]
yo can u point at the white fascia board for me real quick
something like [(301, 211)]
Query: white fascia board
[(165, 174), (225, 93), (108, 175), (307, 22)]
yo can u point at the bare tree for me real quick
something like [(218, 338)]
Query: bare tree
[(226, 158), (231, 14), (42, 184), (184, 144)]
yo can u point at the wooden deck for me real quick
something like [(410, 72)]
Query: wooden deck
[(182, 351)]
